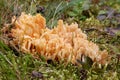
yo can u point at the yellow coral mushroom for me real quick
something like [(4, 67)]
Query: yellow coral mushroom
[(64, 42)]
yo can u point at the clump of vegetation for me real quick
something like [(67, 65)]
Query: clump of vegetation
[(98, 19)]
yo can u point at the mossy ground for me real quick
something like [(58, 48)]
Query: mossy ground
[(98, 19)]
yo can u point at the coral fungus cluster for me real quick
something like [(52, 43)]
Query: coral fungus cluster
[(64, 42)]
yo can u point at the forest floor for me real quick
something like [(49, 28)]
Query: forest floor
[(100, 20)]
